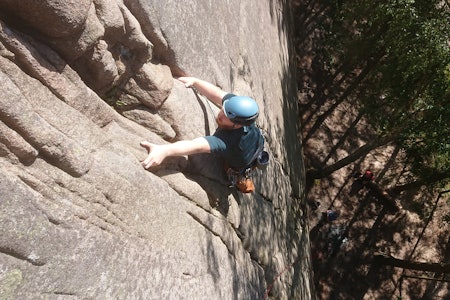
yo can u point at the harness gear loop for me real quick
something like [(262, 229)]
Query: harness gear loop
[(241, 179)]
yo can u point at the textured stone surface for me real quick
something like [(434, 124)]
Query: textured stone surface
[(52, 17), (79, 216)]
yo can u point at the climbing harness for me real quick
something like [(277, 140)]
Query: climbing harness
[(243, 179)]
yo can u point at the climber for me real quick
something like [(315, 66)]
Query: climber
[(328, 216), (365, 178), (237, 139)]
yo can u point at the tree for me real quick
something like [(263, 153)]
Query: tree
[(399, 53), (387, 260)]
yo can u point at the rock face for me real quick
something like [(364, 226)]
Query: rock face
[(82, 83)]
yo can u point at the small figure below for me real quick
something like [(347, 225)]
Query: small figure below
[(328, 216), (365, 178)]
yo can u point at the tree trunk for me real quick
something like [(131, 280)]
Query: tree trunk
[(388, 260), (360, 152), (348, 90), (430, 179), (382, 196), (344, 137)]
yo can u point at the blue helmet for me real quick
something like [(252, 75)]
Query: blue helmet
[(241, 110)]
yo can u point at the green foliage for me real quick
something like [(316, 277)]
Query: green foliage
[(406, 93), (112, 99)]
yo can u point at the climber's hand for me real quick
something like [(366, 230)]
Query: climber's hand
[(188, 81), (156, 155)]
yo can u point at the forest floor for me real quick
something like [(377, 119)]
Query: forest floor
[(343, 250)]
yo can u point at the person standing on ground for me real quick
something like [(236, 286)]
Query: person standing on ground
[(328, 216), (237, 139)]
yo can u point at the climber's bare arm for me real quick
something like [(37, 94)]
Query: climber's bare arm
[(157, 153), (209, 90)]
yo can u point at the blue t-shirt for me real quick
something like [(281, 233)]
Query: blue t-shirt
[(236, 146)]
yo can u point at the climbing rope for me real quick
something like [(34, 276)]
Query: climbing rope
[(197, 94), (269, 288)]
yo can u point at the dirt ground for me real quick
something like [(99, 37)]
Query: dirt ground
[(343, 250)]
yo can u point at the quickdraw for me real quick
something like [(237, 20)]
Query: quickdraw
[(235, 176), (243, 179)]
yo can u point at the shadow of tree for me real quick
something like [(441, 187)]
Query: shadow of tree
[(349, 272)]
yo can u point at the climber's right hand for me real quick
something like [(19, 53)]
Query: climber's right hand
[(188, 81), (156, 155)]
